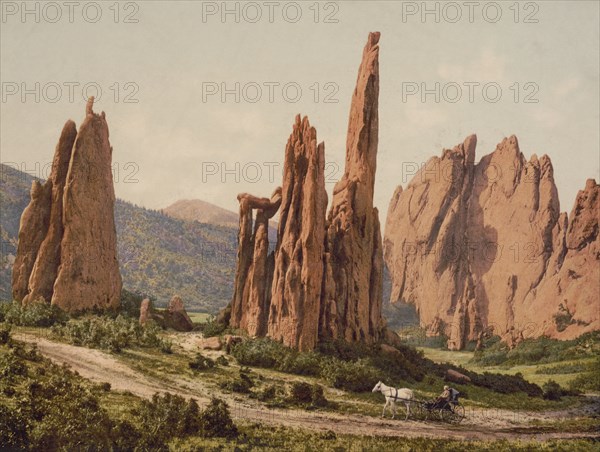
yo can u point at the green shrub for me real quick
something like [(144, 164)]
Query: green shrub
[(11, 366), (165, 417), (215, 420), (35, 314), (588, 381), (539, 350), (268, 393), (351, 376), (13, 429), (301, 363), (301, 392), (201, 362), (262, 352), (242, 384), (552, 390), (318, 395), (4, 334), (112, 334), (222, 361), (211, 327), (131, 303)]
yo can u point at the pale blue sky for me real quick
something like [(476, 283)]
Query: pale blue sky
[(170, 133)]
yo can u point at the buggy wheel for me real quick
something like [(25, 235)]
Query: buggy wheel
[(418, 412), (444, 414), (458, 414)]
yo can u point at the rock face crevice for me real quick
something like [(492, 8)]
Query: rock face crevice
[(474, 246), (327, 270), (67, 240)]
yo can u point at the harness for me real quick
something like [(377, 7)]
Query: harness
[(395, 396)]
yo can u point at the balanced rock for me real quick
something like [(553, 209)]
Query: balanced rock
[(176, 316), (298, 274), (351, 306)]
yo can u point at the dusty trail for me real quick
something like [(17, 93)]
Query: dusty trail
[(99, 366)]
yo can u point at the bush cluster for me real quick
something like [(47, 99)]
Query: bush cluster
[(353, 367), (304, 393), (588, 381), (112, 334), (58, 410), (243, 383), (201, 362), (539, 350), (211, 327), (36, 314)]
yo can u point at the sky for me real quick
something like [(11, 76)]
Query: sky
[(200, 97)]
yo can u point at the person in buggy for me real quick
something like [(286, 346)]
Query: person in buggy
[(449, 395)]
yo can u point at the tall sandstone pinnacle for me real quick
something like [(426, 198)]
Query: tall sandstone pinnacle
[(351, 306), (32, 230), (67, 240), (474, 246), (43, 275), (326, 277), (297, 280)]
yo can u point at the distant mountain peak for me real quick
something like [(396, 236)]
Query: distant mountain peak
[(203, 212)]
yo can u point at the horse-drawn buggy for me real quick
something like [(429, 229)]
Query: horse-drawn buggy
[(445, 408)]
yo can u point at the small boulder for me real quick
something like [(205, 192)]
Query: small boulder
[(391, 338), (390, 350), (457, 377), (231, 340), (211, 343)]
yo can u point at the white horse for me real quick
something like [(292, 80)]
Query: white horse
[(392, 395)]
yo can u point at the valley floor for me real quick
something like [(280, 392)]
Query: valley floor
[(128, 376)]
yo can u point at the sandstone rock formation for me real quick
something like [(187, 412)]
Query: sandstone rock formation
[(176, 316), (32, 231), (252, 292), (146, 311), (298, 275), (67, 239), (572, 281), (43, 275), (473, 245), (351, 306), (326, 275)]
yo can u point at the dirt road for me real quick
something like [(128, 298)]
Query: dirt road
[(99, 366)]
